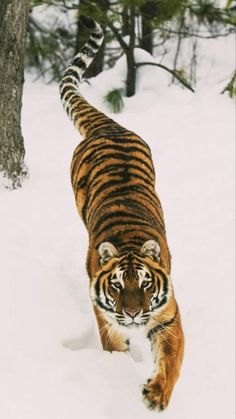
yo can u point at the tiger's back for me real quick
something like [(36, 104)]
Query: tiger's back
[(128, 259), (114, 184)]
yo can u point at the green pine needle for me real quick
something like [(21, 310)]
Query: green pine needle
[(115, 100)]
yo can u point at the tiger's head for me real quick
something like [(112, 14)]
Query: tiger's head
[(131, 287)]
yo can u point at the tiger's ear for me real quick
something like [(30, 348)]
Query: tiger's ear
[(107, 251), (152, 249)]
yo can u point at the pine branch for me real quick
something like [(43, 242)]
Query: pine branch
[(173, 72), (230, 87), (115, 31), (62, 4), (181, 24), (198, 35)]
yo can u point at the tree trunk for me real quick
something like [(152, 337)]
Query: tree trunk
[(148, 12), (125, 21), (131, 68), (13, 25)]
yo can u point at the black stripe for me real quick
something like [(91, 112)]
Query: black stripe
[(128, 204), (69, 79), (116, 167), (136, 188), (114, 240), (161, 326), (84, 144), (104, 292), (117, 214), (97, 285), (78, 62), (88, 146), (121, 145), (119, 238), (124, 190), (124, 177), (97, 35), (86, 112), (66, 89), (113, 182), (101, 305), (82, 182), (129, 135), (123, 223), (160, 303), (88, 22), (131, 243), (76, 101), (133, 204), (90, 122), (99, 118), (106, 185), (93, 44), (70, 72), (122, 148), (98, 126), (165, 281), (116, 156)]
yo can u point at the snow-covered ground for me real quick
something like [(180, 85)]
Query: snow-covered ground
[(51, 362)]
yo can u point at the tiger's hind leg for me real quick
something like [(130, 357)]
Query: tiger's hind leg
[(111, 338)]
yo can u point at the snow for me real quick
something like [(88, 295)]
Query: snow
[(51, 362)]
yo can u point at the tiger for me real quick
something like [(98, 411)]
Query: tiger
[(128, 259)]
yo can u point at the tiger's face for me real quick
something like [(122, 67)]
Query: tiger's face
[(130, 287)]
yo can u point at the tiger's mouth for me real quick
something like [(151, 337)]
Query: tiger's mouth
[(126, 320)]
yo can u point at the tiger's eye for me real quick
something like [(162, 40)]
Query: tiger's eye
[(117, 285), (145, 284)]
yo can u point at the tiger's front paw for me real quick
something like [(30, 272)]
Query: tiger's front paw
[(156, 394)]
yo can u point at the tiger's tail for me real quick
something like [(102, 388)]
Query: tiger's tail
[(77, 108)]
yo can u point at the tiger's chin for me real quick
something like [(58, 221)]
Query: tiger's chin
[(132, 325), (135, 325)]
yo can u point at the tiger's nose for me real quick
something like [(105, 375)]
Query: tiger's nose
[(132, 313)]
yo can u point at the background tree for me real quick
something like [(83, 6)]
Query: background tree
[(13, 24), (148, 24), (51, 40), (147, 11)]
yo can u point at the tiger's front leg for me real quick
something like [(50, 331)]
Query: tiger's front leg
[(167, 344), (111, 338)]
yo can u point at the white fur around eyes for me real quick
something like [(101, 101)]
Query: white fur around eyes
[(142, 274)]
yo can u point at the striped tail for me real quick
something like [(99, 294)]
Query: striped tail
[(74, 103)]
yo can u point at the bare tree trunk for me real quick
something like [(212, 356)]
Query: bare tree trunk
[(131, 68), (125, 20), (128, 48), (13, 25), (148, 11)]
